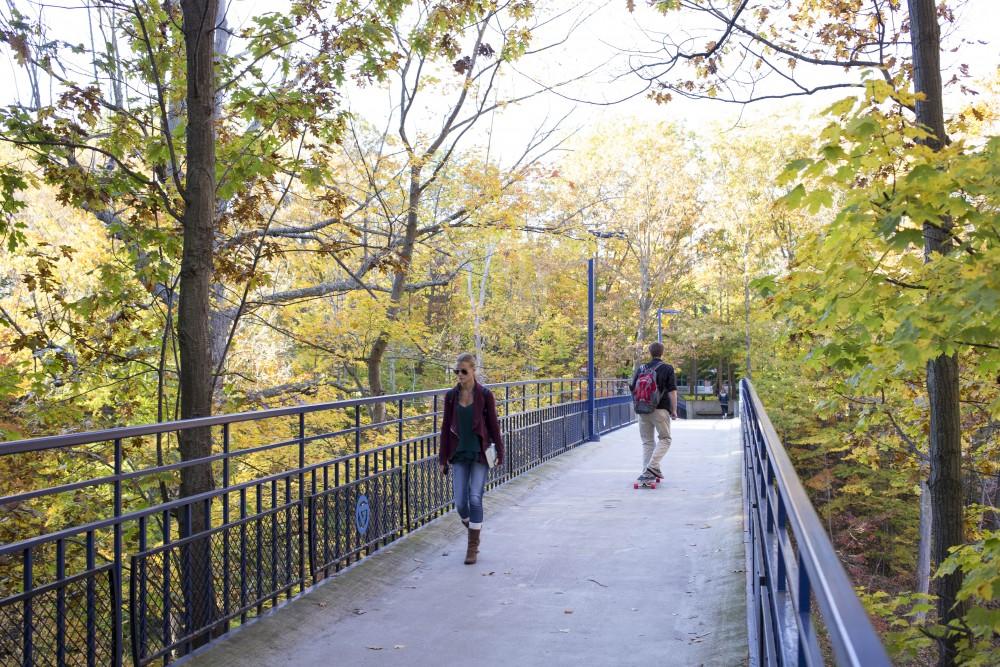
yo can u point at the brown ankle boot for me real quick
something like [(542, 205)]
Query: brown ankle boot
[(473, 548)]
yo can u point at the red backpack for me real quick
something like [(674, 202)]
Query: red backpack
[(646, 393)]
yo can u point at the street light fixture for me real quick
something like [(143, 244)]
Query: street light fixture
[(660, 312)]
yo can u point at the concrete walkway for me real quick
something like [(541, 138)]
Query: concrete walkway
[(576, 568)]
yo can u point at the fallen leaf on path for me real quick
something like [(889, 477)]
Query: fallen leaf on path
[(567, 611), (374, 648), (598, 583), (564, 630), (488, 574), (399, 646), (358, 612), (320, 604)]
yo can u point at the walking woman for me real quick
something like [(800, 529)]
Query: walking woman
[(469, 426)]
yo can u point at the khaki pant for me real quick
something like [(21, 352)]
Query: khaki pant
[(658, 421)]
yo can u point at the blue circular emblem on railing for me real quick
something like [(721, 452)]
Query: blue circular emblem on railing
[(362, 514)]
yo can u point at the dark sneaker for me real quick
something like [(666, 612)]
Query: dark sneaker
[(656, 472)]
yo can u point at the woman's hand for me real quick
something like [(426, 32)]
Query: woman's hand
[(444, 468)]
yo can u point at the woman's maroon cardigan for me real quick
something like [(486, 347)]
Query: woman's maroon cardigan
[(484, 424)]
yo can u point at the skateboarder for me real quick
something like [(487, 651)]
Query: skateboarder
[(469, 425), (654, 391)]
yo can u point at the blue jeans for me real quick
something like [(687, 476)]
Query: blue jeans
[(469, 481)]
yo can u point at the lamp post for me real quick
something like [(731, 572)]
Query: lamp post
[(660, 312), (595, 435)]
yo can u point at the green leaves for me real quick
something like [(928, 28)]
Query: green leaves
[(979, 564), (841, 107), (868, 260), (904, 638), (12, 183), (794, 197)]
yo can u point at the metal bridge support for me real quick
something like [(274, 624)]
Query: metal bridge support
[(595, 434)]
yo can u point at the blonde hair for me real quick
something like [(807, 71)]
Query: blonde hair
[(465, 357)]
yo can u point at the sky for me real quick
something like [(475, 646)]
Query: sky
[(593, 37), (611, 30), (598, 34)]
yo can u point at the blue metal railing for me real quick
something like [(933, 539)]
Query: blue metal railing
[(791, 562), (112, 576)]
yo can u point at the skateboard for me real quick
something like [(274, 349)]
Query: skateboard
[(649, 484)]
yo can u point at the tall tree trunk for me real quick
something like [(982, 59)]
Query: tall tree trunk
[(747, 340), (720, 374), (220, 318), (477, 303), (645, 303), (399, 278), (924, 544), (193, 330), (693, 381), (942, 373), (220, 323)]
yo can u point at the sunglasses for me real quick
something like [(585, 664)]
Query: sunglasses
[(460, 371)]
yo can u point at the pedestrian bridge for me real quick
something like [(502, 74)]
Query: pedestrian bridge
[(355, 559), (576, 568)]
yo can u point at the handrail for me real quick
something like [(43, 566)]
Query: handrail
[(107, 435), (792, 560)]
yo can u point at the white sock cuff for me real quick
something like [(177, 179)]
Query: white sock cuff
[(476, 526)]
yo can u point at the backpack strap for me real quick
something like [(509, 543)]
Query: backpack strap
[(653, 365)]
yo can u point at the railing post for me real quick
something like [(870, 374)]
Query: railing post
[(118, 639), (595, 436), (357, 441), (61, 603), (226, 565), (541, 430), (302, 501), (28, 574)]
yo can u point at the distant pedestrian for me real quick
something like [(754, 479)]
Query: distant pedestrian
[(724, 401), (468, 428), (654, 393)]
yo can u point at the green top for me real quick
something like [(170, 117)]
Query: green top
[(468, 440)]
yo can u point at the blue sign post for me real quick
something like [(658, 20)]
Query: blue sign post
[(595, 435), (362, 514)]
